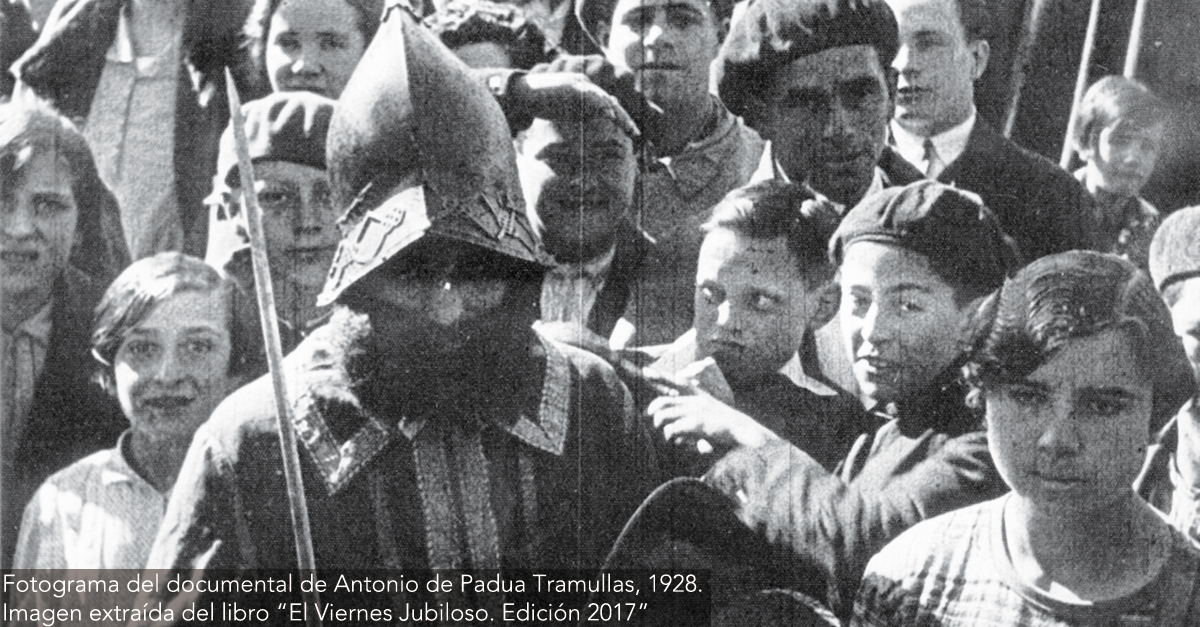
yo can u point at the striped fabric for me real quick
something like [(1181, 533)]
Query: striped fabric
[(954, 570)]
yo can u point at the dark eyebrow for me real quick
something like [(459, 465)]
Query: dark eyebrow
[(909, 287), (1033, 385), (1115, 392), (860, 83), (683, 7), (806, 94), (931, 36)]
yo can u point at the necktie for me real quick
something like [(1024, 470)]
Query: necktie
[(933, 165)]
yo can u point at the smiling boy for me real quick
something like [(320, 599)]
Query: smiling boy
[(908, 287), (1076, 367)]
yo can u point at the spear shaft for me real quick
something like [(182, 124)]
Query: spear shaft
[(270, 326)]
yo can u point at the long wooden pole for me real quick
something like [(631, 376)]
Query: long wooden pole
[(270, 326), (1135, 39), (1085, 64), (1034, 12)]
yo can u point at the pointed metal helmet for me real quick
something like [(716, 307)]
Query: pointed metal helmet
[(417, 147)]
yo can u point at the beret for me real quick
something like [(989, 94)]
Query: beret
[(773, 33), (1175, 249), (284, 126), (950, 227)]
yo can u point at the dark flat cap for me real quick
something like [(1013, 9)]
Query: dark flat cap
[(1175, 250), (950, 227), (773, 33), (284, 126)]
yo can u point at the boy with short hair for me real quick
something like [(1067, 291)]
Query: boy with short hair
[(763, 282), (1119, 133)]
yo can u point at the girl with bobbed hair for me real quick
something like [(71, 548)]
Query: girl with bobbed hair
[(30, 125), (1076, 365), (169, 345), (60, 234)]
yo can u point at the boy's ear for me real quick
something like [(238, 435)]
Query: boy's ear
[(828, 297)]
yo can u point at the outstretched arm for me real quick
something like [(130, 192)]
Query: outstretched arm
[(833, 526)]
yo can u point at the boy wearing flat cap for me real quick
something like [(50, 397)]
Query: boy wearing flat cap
[(1171, 479), (813, 77), (908, 286), (438, 430)]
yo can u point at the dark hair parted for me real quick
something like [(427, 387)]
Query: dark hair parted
[(772, 209), (28, 126), (773, 33), (258, 25), (1074, 295), (462, 23), (148, 283), (1115, 99)]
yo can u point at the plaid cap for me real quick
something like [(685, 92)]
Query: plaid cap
[(284, 126), (773, 33), (1175, 250), (950, 227)]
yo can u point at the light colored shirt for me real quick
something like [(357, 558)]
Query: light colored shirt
[(948, 145), (955, 571), (24, 354), (95, 514), (131, 124), (569, 290)]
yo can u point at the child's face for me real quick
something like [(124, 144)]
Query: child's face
[(172, 369), (751, 306), (900, 321), (1072, 435), (1124, 158), (1185, 313), (313, 45), (299, 220), (579, 178), (38, 215)]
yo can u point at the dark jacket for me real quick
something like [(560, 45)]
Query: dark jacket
[(1039, 204), (65, 64), (70, 416), (390, 487), (931, 458), (896, 171), (632, 246), (16, 35)]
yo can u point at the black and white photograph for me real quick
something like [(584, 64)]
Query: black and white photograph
[(656, 313)]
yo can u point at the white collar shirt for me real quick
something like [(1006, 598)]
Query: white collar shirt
[(949, 145)]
